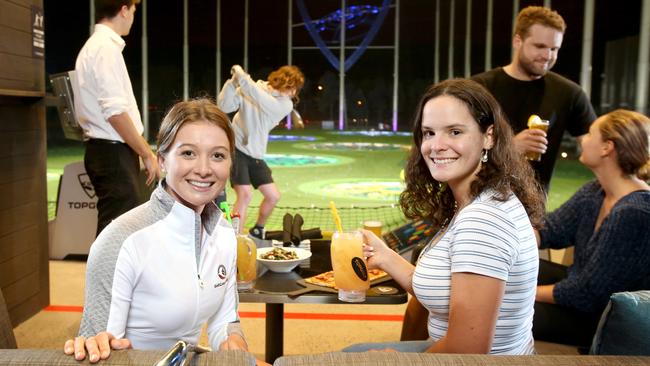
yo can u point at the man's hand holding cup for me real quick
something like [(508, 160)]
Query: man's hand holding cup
[(532, 141)]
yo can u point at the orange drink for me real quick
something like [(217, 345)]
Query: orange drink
[(374, 226), (246, 262), (535, 122), (349, 265)]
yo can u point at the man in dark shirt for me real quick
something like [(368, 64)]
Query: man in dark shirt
[(526, 86)]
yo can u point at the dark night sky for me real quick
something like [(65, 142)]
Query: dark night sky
[(371, 77)]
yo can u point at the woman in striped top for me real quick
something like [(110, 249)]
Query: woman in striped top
[(478, 275)]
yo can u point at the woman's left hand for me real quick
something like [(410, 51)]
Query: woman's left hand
[(234, 341)]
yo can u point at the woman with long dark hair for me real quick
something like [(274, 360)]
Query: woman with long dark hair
[(478, 276)]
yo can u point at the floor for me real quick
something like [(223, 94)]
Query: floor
[(303, 334)]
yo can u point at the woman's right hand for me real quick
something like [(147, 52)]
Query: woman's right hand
[(379, 255), (98, 347), (375, 250)]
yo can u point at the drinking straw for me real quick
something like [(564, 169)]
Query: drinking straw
[(226, 211), (337, 218)]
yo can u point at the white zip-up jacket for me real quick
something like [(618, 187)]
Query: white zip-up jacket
[(151, 278)]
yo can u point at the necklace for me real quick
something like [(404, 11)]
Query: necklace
[(443, 230)]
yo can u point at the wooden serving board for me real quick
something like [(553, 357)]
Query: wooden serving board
[(309, 287)]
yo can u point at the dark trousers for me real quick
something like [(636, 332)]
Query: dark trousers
[(560, 324), (113, 169)]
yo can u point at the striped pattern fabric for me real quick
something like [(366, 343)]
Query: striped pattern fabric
[(493, 239), (240, 358), (130, 357), (427, 359)]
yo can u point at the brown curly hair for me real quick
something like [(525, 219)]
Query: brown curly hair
[(286, 78), (506, 171)]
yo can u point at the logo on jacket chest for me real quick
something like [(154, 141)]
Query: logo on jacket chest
[(221, 274)]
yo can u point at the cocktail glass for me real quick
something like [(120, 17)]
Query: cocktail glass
[(349, 265), (246, 262)]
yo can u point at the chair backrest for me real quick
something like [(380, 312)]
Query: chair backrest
[(7, 339), (65, 87), (624, 325)]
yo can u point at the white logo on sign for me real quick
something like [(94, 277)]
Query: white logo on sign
[(38, 21)]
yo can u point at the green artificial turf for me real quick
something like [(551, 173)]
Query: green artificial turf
[(300, 186), (568, 177)]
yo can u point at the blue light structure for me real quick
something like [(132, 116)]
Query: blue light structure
[(356, 15)]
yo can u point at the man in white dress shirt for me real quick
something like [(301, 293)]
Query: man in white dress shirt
[(109, 114)]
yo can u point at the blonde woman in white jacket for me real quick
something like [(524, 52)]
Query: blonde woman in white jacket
[(162, 270)]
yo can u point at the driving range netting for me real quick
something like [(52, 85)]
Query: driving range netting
[(352, 217)]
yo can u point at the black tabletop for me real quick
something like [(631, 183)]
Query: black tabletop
[(271, 287)]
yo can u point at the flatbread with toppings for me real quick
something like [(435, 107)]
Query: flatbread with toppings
[(327, 279)]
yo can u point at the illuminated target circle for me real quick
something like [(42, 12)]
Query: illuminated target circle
[(374, 190), (355, 146), (291, 138), (293, 160), (370, 133)]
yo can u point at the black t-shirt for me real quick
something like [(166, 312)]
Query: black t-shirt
[(552, 97)]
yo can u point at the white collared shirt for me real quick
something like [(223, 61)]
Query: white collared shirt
[(103, 85)]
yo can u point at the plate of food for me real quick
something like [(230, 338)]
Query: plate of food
[(325, 282), (326, 279), (281, 260)]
